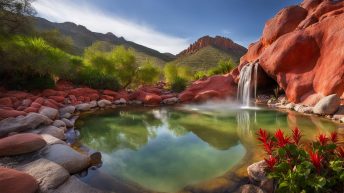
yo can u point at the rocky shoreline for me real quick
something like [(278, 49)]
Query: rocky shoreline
[(34, 149)]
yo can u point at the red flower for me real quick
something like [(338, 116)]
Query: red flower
[(268, 146), (281, 139), (296, 135), (316, 159), (340, 151), (322, 139), (271, 161), (334, 137), (263, 136)]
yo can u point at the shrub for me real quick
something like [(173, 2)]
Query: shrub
[(119, 62), (318, 167), (223, 67), (95, 79), (26, 81), (147, 73), (179, 84)]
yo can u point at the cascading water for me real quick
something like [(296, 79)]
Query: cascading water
[(245, 83)]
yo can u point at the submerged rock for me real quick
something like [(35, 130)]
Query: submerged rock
[(13, 181), (327, 105), (20, 144)]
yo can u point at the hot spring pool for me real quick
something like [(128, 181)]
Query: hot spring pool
[(166, 149)]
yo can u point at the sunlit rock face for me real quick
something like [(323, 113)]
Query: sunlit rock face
[(302, 50)]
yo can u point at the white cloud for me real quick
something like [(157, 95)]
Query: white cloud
[(95, 20)]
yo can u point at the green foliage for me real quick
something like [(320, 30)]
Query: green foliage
[(55, 39), (223, 67), (177, 76), (95, 79), (119, 62), (295, 168), (179, 84), (148, 73), (27, 57)]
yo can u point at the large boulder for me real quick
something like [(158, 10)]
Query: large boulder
[(20, 144), (327, 105), (219, 87), (302, 50), (19, 124), (67, 157), (13, 181), (49, 112), (48, 174)]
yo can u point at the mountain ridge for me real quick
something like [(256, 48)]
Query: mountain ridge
[(84, 37), (220, 42)]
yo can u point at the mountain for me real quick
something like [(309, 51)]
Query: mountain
[(207, 51), (82, 38)]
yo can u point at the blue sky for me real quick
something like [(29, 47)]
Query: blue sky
[(167, 25)]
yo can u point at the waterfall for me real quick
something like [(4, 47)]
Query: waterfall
[(245, 83)]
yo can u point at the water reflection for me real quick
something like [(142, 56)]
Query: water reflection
[(166, 149)]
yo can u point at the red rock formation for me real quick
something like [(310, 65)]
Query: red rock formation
[(218, 41), (302, 50), (13, 181), (219, 86)]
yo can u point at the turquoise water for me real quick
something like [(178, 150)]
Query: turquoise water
[(166, 149)]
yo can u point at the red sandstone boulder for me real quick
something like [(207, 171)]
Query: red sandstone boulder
[(284, 22), (51, 92), (4, 113), (36, 105), (20, 144), (59, 99), (6, 102), (31, 110), (13, 181), (39, 100), (17, 94), (107, 97), (148, 98), (82, 92), (110, 93), (219, 86), (302, 50)]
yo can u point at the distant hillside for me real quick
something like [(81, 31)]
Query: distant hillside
[(83, 38), (207, 51)]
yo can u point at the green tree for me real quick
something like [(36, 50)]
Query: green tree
[(13, 15), (125, 63), (148, 73)]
